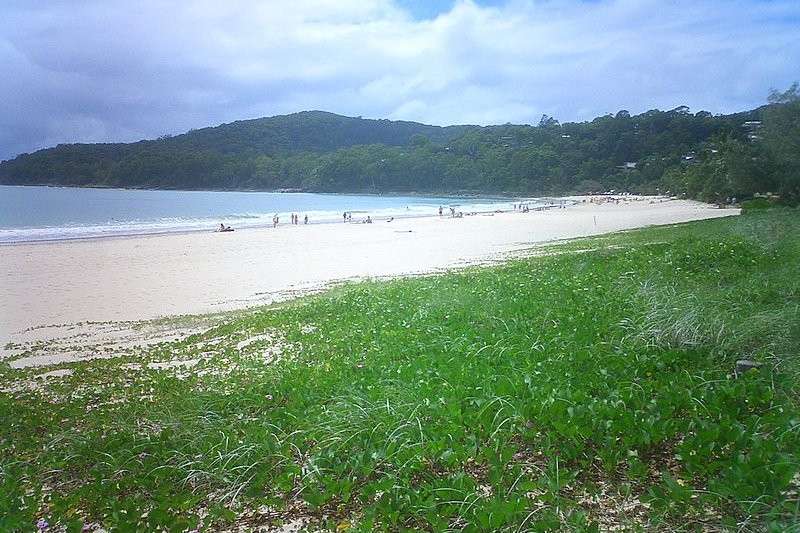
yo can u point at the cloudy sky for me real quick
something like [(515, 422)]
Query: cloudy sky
[(124, 70)]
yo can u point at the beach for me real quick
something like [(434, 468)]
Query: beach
[(77, 289)]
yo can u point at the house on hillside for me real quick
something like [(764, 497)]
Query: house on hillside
[(751, 127)]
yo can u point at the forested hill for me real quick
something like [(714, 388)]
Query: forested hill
[(324, 152), (308, 131), (246, 154)]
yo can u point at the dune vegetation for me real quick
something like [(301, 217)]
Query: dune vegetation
[(590, 385)]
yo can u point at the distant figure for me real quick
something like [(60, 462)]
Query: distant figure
[(221, 227), (344, 216), (305, 220), (349, 217), (368, 221), (390, 219), (275, 220), (440, 210)]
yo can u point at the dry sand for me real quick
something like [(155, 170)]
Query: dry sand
[(73, 290)]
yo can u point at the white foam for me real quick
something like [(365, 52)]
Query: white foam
[(361, 208)]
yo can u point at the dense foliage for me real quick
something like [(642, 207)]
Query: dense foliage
[(766, 161), (696, 155), (591, 388)]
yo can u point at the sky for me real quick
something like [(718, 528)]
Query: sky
[(124, 70)]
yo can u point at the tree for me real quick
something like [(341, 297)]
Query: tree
[(548, 122), (781, 140)]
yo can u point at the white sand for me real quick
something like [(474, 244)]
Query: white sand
[(141, 278)]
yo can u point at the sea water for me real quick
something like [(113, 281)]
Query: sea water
[(31, 214)]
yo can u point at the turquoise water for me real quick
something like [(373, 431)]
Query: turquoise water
[(30, 214)]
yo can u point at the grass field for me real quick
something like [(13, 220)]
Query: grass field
[(587, 387)]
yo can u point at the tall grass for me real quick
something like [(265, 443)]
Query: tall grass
[(575, 390)]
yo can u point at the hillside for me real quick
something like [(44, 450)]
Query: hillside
[(672, 151), (308, 131), (214, 157)]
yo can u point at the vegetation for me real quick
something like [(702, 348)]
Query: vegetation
[(589, 386), (767, 160), (698, 155)]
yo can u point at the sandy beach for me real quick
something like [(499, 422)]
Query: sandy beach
[(83, 286)]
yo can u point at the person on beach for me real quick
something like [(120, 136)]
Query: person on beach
[(275, 220), (305, 220), (440, 210), (344, 216)]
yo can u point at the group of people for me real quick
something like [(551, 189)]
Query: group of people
[(295, 220), (525, 207), (348, 217), (453, 212)]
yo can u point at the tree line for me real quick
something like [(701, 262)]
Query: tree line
[(698, 155)]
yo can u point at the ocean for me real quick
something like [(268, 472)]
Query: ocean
[(34, 214)]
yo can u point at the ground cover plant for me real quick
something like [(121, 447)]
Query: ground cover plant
[(587, 387)]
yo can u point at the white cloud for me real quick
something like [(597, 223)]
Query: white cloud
[(102, 71)]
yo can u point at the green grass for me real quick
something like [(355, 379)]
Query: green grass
[(588, 387)]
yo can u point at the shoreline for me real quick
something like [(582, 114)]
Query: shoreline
[(59, 289), (264, 226), (246, 220)]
